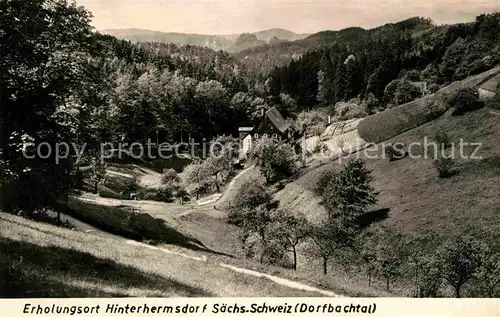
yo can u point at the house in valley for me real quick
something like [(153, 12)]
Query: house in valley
[(272, 125)]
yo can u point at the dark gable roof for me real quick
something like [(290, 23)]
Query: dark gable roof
[(245, 129), (277, 120)]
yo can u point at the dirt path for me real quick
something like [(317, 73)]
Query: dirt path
[(219, 198), (275, 279)]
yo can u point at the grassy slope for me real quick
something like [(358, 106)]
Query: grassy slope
[(392, 122), (39, 260), (419, 201)]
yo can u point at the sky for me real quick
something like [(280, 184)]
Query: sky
[(300, 16)]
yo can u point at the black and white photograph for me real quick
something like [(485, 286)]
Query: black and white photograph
[(256, 149)]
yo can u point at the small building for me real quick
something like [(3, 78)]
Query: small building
[(272, 125), (246, 138)]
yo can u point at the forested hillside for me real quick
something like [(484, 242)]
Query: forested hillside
[(231, 42), (366, 63)]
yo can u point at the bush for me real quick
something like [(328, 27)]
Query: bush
[(131, 185), (443, 139), (444, 167), (276, 160), (465, 100), (164, 194), (350, 110), (405, 92), (432, 88), (392, 154), (170, 176)]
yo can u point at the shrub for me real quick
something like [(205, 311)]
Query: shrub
[(350, 110), (170, 176), (405, 92), (465, 100), (444, 167), (392, 154), (432, 88), (182, 195), (131, 185), (443, 139), (163, 194)]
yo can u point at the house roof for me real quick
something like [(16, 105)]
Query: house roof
[(277, 120), (245, 129)]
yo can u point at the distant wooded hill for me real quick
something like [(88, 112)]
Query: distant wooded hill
[(230, 43)]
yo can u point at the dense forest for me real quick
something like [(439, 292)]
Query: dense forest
[(365, 64), (60, 81)]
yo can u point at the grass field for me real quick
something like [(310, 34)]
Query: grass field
[(392, 122), (39, 260), (419, 201)]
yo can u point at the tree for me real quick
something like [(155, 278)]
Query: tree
[(223, 151), (348, 192), (465, 100), (97, 172), (452, 59), (170, 177), (391, 252), (368, 255), (311, 122), (487, 277), (252, 213), (291, 230), (460, 259), (197, 177), (330, 238), (39, 71), (405, 92), (430, 74), (428, 280), (276, 160)]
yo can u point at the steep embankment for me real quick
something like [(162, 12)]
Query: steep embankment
[(410, 187), (418, 199), (40, 260), (392, 122)]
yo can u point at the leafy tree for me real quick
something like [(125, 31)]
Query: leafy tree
[(330, 238), (39, 71), (311, 122), (182, 194), (460, 259), (170, 177), (465, 100), (429, 278), (348, 192), (452, 59), (276, 160), (252, 213), (97, 172), (405, 92), (291, 230), (391, 253), (198, 178), (430, 74), (487, 277)]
